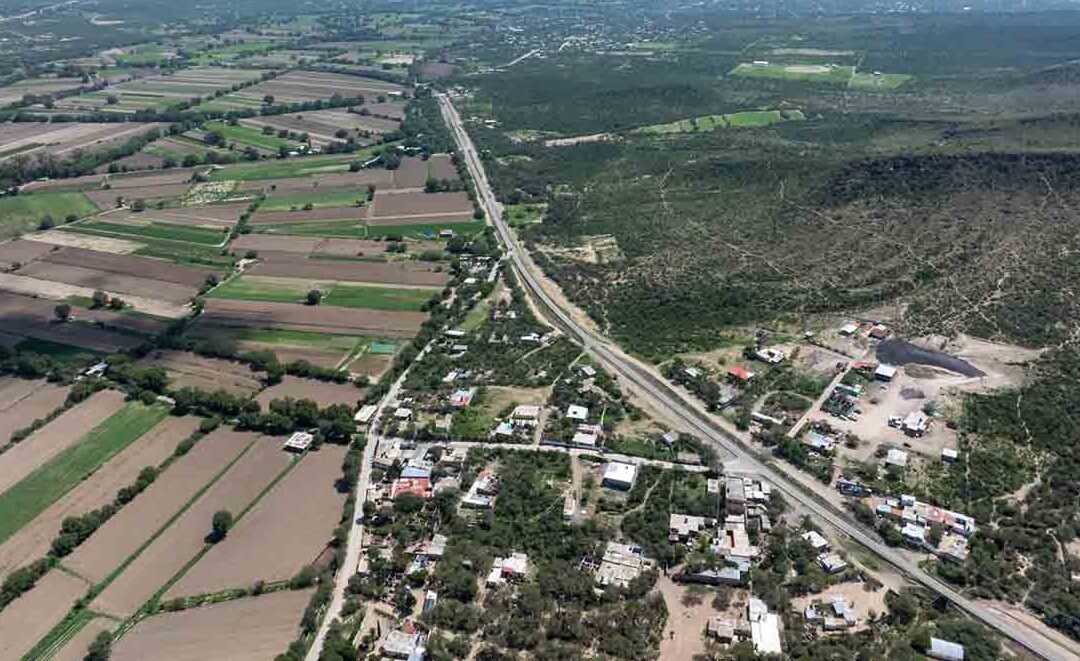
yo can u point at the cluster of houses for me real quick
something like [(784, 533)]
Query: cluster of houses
[(833, 614), (916, 518), (758, 625), (830, 563), (519, 427)]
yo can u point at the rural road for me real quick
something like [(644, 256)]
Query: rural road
[(355, 544), (667, 397)]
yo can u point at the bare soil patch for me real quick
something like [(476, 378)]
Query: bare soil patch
[(441, 166), (14, 254), (412, 173), (250, 629), (88, 241), (210, 374), (140, 267), (328, 213), (29, 315), (123, 534), (94, 279), (274, 243), (373, 365), (27, 619), (32, 542), (57, 436), (214, 217), (22, 401), (145, 180), (106, 199), (683, 634), (416, 204), (399, 273), (296, 520), (320, 392), (380, 178), (168, 554), (249, 314)]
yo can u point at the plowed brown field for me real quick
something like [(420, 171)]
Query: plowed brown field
[(27, 619), (399, 273), (320, 392), (346, 321)]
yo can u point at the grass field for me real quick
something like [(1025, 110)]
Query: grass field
[(294, 167), (816, 73), (37, 491), (745, 119), (870, 81), (524, 214), (281, 290), (349, 229), (335, 197), (301, 338), (245, 135), (61, 352), (153, 230), (21, 213)]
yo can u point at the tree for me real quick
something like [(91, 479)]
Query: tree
[(341, 133), (138, 205), (100, 299), (268, 99), (117, 303), (62, 312), (220, 524), (314, 297), (46, 223), (100, 649)]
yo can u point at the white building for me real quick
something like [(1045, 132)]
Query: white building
[(618, 475), (764, 628), (816, 541), (575, 412), (299, 442), (365, 414)]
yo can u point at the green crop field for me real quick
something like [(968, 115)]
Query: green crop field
[(245, 135), (303, 166), (745, 119), (281, 290), (318, 199), (61, 352), (350, 229), (40, 489), (22, 213), (153, 230), (294, 338), (818, 73)]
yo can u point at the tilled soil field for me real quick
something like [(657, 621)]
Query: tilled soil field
[(296, 519), (181, 541), (249, 629), (380, 178), (388, 204), (76, 648), (412, 173), (145, 180), (22, 401), (117, 283), (400, 273), (442, 167), (328, 213), (34, 317), (320, 319), (373, 365), (87, 241), (33, 540), (140, 267), (218, 215), (322, 393), (209, 374), (133, 525), (106, 199), (27, 619), (55, 437), (14, 254)]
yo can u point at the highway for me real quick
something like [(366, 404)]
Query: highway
[(667, 397)]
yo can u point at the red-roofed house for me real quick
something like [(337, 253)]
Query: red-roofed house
[(740, 373), (417, 486)]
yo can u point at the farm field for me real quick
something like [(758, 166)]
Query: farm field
[(76, 648), (245, 135), (23, 213), (419, 204), (251, 629), (36, 86), (107, 199), (424, 228), (114, 283), (317, 319), (323, 349), (123, 535), (214, 217), (322, 393), (318, 199), (34, 317), (817, 73), (338, 294), (296, 519), (159, 92), (33, 540), (745, 119), (322, 214), (322, 126), (183, 539), (300, 86), (416, 274), (209, 374), (61, 139), (33, 494), (289, 168), (126, 265), (24, 400), (152, 230), (27, 619)]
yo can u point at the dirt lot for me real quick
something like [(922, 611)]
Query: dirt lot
[(387, 205), (34, 614), (249, 314), (34, 317), (123, 534), (862, 600), (140, 267), (321, 392), (683, 635), (328, 213), (296, 520), (55, 437), (250, 629), (168, 554), (20, 251), (402, 273), (32, 542), (93, 279), (22, 401), (210, 374)]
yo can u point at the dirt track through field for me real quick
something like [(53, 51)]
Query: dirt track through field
[(33, 540), (27, 619), (320, 319), (181, 541), (295, 520), (123, 534), (249, 629), (63, 432), (22, 401)]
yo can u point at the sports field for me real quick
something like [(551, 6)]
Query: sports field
[(285, 290)]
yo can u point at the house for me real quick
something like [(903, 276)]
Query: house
[(831, 563), (365, 414), (621, 564), (454, 333), (945, 650), (720, 629), (819, 441), (669, 438), (401, 645), (683, 527), (299, 442), (512, 567), (575, 412), (526, 414), (458, 350), (450, 377), (816, 541), (849, 329), (403, 413), (949, 455), (418, 486), (732, 576), (504, 429), (413, 472), (878, 332), (588, 370), (692, 372), (841, 615), (735, 495), (916, 424), (584, 439), (770, 356), (740, 374), (885, 372), (434, 548), (764, 628), (895, 457), (462, 398), (618, 475), (914, 535), (430, 599)]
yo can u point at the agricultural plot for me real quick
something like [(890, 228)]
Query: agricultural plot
[(61, 140), (322, 393), (745, 119), (26, 620), (407, 205), (419, 274), (301, 86), (15, 253), (113, 283), (317, 319), (32, 541), (158, 92), (126, 228), (288, 168), (336, 294), (22, 401), (31, 317), (24, 213), (832, 74), (323, 349), (251, 629), (352, 213), (209, 374), (127, 265), (296, 519), (167, 555), (51, 238), (36, 87), (336, 177), (242, 136), (323, 126), (217, 216), (33, 494), (421, 227), (318, 198), (139, 521)]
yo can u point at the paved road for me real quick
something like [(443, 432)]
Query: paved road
[(706, 426), (355, 544)]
